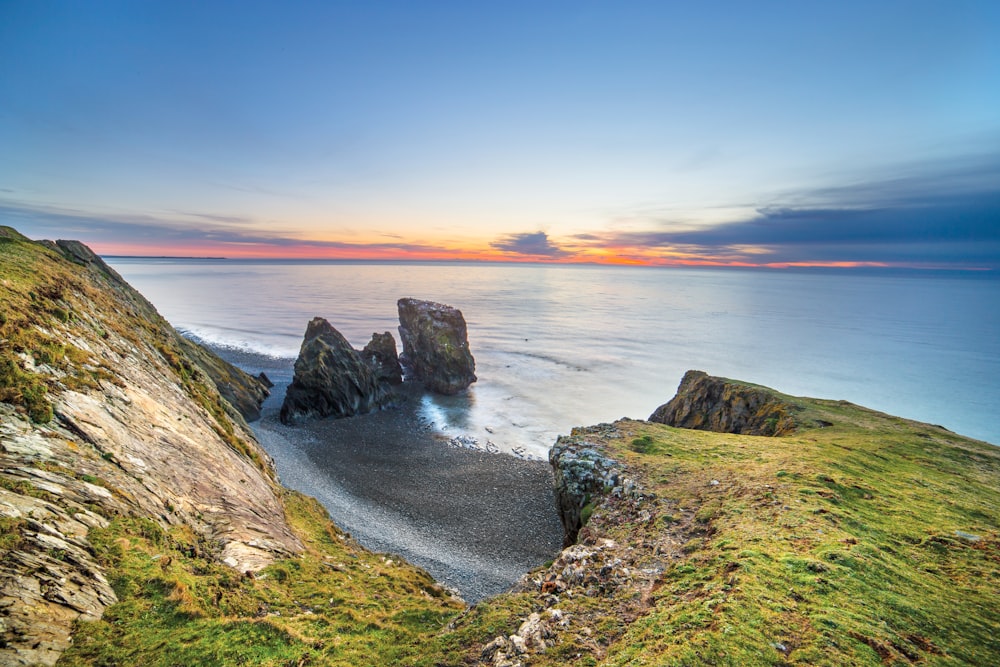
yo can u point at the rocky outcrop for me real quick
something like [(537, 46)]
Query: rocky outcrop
[(582, 474), (380, 354), (103, 414), (331, 378), (709, 403), (242, 391), (435, 345)]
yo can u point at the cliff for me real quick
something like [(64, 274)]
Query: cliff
[(857, 538), (118, 454)]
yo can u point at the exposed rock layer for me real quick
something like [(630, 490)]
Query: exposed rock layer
[(716, 404), (331, 378), (103, 414), (436, 345)]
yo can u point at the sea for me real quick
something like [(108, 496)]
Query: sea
[(558, 346)]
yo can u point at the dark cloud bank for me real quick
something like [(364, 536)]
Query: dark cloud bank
[(951, 218), (536, 244)]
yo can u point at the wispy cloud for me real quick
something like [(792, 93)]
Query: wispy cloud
[(212, 232), (944, 216), (536, 244)]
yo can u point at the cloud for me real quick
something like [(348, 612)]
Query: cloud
[(153, 231), (950, 215), (528, 243)]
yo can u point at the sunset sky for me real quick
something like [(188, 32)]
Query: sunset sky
[(742, 133)]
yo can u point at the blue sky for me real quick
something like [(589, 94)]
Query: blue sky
[(763, 133)]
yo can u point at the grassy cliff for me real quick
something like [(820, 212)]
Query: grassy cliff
[(858, 539)]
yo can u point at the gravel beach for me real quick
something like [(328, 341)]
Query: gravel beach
[(476, 521)]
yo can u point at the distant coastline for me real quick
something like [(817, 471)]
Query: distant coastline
[(158, 257)]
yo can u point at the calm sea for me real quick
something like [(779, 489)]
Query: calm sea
[(560, 346)]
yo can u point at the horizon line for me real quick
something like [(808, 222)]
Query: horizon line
[(774, 266)]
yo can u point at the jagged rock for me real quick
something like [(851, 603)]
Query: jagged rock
[(709, 403), (242, 391), (582, 473), (380, 353), (436, 345), (331, 379)]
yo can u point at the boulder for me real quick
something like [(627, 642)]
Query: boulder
[(435, 345), (331, 379), (380, 354), (709, 403)]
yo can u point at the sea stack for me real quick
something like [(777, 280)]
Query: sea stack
[(331, 379), (380, 354), (435, 346)]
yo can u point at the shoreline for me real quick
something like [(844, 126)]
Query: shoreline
[(476, 521)]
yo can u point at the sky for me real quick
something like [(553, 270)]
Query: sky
[(691, 133)]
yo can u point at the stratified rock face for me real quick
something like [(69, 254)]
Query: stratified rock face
[(331, 379), (104, 415), (436, 345), (709, 403), (380, 354)]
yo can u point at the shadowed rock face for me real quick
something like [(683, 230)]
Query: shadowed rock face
[(331, 378), (380, 354), (436, 345), (242, 391), (709, 403)]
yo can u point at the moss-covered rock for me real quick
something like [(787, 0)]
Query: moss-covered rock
[(331, 378), (725, 406), (436, 345)]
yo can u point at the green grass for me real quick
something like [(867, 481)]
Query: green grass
[(837, 545), (335, 605)]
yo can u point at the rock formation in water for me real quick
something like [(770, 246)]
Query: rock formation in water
[(331, 378), (435, 345), (104, 414), (716, 404), (380, 354)]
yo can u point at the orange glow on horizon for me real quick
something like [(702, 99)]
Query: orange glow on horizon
[(613, 256)]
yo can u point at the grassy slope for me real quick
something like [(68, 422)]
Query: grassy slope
[(832, 546), (338, 604)]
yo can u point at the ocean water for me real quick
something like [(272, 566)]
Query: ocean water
[(561, 346)]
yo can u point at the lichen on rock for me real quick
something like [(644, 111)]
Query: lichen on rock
[(582, 473)]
